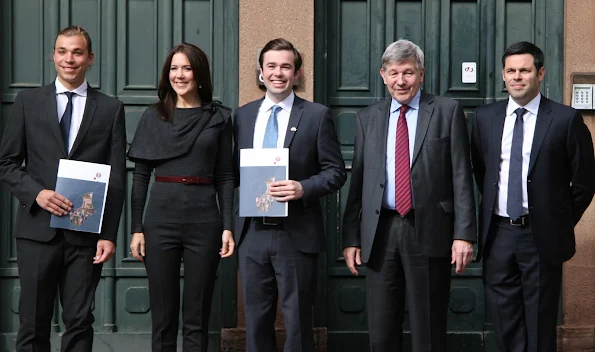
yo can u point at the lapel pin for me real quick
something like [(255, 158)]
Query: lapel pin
[(293, 129)]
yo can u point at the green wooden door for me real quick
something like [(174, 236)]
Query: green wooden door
[(131, 39), (351, 36)]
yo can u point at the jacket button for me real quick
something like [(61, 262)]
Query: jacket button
[(381, 185), (377, 212), (495, 184), (528, 181)]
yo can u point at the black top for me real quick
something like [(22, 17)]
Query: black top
[(196, 142)]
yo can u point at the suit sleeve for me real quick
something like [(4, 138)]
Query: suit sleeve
[(465, 227), (580, 150), (477, 155), (332, 173), (115, 194), (13, 151), (353, 208)]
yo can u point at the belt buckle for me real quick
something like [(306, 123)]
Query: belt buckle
[(186, 180), (520, 222), (264, 222)]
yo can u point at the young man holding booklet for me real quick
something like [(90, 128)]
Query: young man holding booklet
[(66, 119), (278, 256)]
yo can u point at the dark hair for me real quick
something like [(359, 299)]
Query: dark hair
[(202, 76), (76, 30), (525, 48), (281, 44)]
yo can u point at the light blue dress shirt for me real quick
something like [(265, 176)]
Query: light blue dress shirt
[(388, 201)]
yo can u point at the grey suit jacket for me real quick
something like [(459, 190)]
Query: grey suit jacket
[(33, 136), (441, 178)]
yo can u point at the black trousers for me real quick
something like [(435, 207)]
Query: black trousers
[(398, 268), (46, 268), (522, 292), (165, 245), (271, 268)]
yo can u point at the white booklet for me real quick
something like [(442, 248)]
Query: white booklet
[(258, 169), (85, 185)]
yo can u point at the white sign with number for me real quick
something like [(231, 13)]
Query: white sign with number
[(469, 72)]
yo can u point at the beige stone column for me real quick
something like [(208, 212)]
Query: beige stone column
[(578, 330), (261, 21)]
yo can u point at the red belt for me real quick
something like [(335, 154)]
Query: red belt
[(187, 180)]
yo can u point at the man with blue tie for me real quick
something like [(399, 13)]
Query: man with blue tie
[(410, 212), (278, 257), (66, 119), (534, 165)]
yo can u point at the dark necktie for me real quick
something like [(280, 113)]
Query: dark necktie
[(514, 204), (66, 120), (271, 133), (402, 165)]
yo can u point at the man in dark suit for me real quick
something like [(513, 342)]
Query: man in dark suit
[(66, 119), (533, 162), (279, 256), (410, 212)]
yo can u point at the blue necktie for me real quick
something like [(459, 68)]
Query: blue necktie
[(514, 204), (66, 119), (271, 134)]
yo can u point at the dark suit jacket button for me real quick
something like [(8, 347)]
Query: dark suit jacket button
[(377, 212), (528, 181), (381, 185), (495, 184)]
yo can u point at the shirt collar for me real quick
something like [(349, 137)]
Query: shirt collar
[(413, 104), (285, 104), (532, 106), (80, 90)]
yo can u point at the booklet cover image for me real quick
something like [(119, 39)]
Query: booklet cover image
[(87, 199), (255, 199)]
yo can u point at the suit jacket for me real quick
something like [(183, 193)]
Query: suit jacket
[(33, 136), (560, 180), (441, 178), (314, 160)]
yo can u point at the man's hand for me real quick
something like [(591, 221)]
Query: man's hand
[(352, 257), (137, 246), (53, 202), (105, 250), (286, 190), (462, 254)]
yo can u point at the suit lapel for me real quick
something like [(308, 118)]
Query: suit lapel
[(294, 120), (382, 119), (51, 113), (497, 128), (544, 119), (251, 114), (426, 109), (87, 118)]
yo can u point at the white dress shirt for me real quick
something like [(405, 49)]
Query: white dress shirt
[(529, 120), (388, 201), (263, 117), (79, 99)]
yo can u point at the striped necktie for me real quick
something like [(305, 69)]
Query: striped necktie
[(402, 165)]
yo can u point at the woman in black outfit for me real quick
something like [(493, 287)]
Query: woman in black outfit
[(186, 138)]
